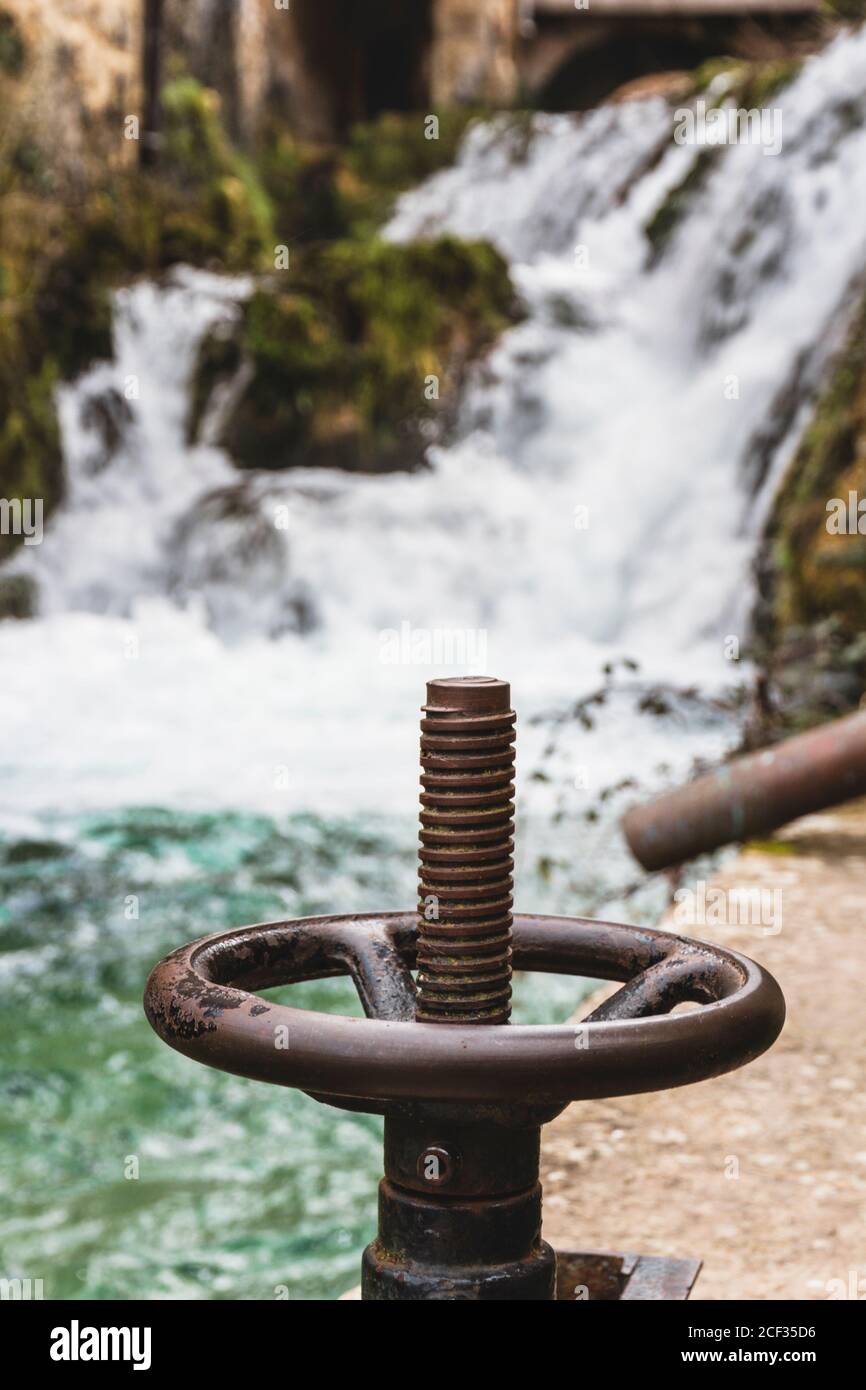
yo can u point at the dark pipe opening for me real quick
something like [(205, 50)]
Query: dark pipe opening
[(641, 47), (364, 58)]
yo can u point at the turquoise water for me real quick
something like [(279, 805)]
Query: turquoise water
[(127, 1171)]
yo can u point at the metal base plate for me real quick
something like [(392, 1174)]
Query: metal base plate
[(592, 1275)]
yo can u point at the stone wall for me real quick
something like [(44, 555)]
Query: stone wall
[(318, 64), (474, 53), (228, 45), (78, 79)]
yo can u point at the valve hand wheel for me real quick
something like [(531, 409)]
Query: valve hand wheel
[(463, 1092), (201, 1001)]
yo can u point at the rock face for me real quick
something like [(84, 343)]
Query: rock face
[(474, 52), (86, 55), (319, 66), (229, 45), (18, 598), (227, 553), (352, 359), (327, 65)]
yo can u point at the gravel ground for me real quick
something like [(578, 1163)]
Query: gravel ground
[(761, 1173)]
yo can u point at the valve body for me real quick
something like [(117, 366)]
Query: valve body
[(459, 1213), (460, 1203)]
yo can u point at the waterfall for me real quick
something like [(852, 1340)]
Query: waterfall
[(614, 458)]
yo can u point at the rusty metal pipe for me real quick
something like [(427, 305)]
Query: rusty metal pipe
[(753, 795)]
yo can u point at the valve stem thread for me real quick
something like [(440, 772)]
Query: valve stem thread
[(466, 855)]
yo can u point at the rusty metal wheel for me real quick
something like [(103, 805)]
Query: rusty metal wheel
[(201, 1000)]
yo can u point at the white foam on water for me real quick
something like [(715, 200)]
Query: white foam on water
[(165, 672)]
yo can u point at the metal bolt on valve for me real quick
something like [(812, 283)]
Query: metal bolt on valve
[(463, 1091)]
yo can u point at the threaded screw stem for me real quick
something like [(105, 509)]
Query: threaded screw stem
[(467, 844)]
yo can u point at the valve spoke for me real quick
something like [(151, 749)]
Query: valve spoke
[(382, 979), (685, 976)]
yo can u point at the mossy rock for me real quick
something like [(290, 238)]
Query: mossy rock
[(338, 354), (337, 348), (671, 212), (310, 191), (819, 572), (398, 149), (219, 360), (18, 597), (61, 264), (217, 180), (385, 156), (241, 216), (811, 617), (728, 81), (30, 452), (73, 302), (830, 573), (764, 81), (323, 193), (195, 148)]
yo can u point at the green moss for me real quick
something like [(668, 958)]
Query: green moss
[(731, 71), (240, 215), (296, 367), (63, 264), (72, 304), (764, 81), (385, 156), (812, 615), (17, 597), (338, 347), (661, 226), (399, 149), (29, 438), (195, 147), (742, 85), (830, 462), (780, 847), (339, 350), (214, 183), (844, 9), (325, 193), (309, 189), (746, 84)]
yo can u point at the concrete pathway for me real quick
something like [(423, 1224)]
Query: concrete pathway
[(762, 1173)]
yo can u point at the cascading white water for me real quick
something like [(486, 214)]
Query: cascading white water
[(599, 499), (192, 657), (107, 547)]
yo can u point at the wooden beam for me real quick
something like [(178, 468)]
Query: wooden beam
[(613, 9)]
